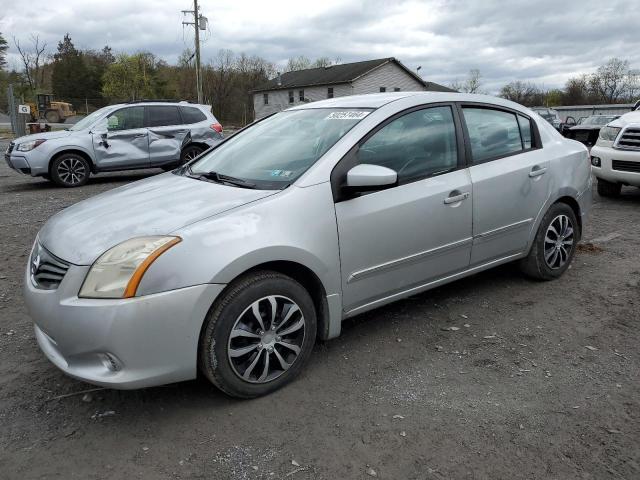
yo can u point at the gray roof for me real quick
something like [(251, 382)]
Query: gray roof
[(336, 74)]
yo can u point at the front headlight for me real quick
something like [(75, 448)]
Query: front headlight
[(30, 145), (609, 134), (118, 271)]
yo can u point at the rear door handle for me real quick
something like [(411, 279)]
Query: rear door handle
[(455, 197), (537, 171)]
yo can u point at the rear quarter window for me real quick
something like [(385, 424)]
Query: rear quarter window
[(192, 115)]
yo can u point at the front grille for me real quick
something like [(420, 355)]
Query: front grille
[(629, 139), (47, 270), (625, 166)]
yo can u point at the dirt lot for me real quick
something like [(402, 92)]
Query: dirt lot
[(541, 380)]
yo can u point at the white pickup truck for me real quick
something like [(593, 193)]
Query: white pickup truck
[(615, 158)]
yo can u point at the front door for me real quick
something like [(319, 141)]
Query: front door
[(419, 230), (510, 181), (125, 143)]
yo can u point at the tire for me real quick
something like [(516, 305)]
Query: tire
[(70, 170), (608, 189), (52, 116), (551, 254), (237, 364), (189, 153)]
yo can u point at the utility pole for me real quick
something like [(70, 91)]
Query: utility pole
[(199, 23)]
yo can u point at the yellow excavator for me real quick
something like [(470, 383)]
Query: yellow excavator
[(53, 111)]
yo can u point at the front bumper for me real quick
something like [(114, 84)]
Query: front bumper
[(34, 162), (607, 155), (120, 343)]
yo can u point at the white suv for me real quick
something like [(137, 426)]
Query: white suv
[(615, 158)]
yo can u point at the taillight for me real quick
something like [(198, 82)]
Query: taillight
[(217, 127)]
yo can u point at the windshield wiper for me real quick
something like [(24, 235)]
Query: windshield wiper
[(220, 178)]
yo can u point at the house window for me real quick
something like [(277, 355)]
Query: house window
[(330, 92), (290, 96), (383, 89), (301, 95), (266, 98), (397, 89)]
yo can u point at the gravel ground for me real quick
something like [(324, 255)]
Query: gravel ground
[(541, 380)]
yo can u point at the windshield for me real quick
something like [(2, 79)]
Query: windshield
[(275, 152), (598, 120), (87, 121)]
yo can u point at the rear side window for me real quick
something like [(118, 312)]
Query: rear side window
[(126, 119), (492, 133), (416, 145), (525, 131), (163, 115), (192, 115)]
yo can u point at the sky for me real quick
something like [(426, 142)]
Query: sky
[(543, 41)]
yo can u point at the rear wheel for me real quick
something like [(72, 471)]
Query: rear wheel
[(554, 245), (189, 153), (70, 170), (258, 336), (52, 116), (608, 189)]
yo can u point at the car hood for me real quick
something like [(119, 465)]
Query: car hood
[(155, 206), (43, 135)]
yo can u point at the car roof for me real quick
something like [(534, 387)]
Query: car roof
[(377, 100)]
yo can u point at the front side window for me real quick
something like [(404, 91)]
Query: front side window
[(416, 145), (126, 119), (163, 116), (276, 151), (290, 96), (492, 133)]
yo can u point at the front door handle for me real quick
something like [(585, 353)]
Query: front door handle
[(537, 171), (455, 197)]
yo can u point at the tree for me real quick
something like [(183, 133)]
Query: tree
[(3, 52), (299, 63), (471, 84), (133, 77), (611, 81), (576, 91), (525, 93), (70, 75), (33, 59)]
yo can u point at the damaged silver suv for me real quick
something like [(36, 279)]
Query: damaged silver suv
[(144, 134)]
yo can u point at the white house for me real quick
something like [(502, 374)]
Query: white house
[(370, 76)]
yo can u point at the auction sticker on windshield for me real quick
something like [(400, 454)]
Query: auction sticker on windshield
[(347, 115)]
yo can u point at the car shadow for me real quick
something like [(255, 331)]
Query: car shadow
[(43, 185)]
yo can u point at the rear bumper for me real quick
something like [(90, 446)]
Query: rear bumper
[(120, 343), (606, 171)]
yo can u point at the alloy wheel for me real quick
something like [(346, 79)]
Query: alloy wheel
[(266, 339), (558, 242), (72, 171), (190, 155)]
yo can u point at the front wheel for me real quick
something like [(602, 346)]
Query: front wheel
[(608, 189), (258, 335), (554, 245), (70, 170)]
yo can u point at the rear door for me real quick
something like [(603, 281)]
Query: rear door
[(125, 143), (510, 181), (167, 133)]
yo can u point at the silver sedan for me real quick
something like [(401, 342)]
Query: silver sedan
[(235, 263)]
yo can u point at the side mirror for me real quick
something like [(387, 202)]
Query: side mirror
[(366, 177)]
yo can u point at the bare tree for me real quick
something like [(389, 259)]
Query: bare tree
[(33, 59), (471, 84), (525, 93), (611, 81)]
